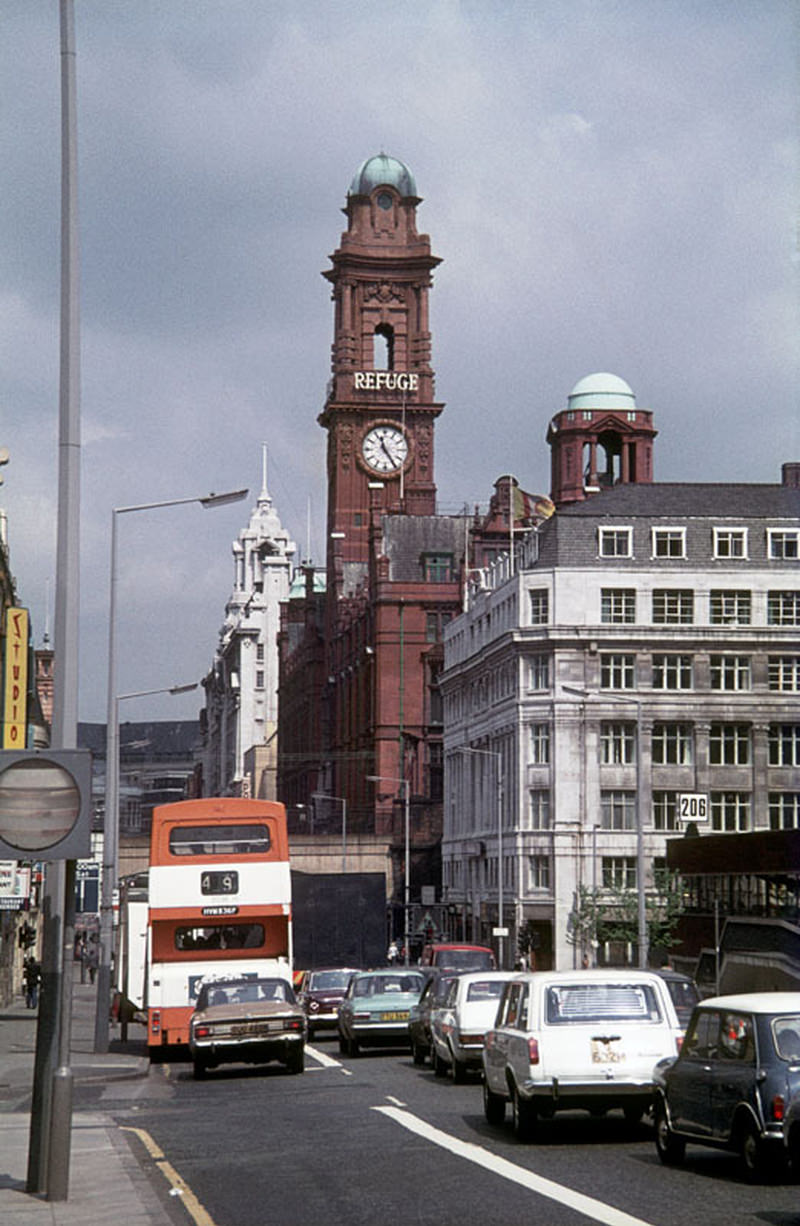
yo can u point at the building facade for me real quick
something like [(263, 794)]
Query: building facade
[(644, 647), (240, 718), (371, 651)]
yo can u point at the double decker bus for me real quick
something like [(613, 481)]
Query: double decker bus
[(219, 903)]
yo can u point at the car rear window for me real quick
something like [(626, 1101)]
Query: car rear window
[(597, 1002), (490, 989), (464, 959)]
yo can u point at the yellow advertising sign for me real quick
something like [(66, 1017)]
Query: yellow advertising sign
[(15, 680)]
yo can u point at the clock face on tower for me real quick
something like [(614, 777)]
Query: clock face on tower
[(384, 449)]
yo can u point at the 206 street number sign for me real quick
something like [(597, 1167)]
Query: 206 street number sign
[(693, 806)]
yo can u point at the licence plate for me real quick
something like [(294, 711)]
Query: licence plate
[(254, 1027), (609, 1052), (395, 1017)]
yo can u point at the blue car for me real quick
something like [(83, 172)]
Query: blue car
[(733, 1082), (376, 1009)]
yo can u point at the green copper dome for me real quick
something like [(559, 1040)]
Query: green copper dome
[(383, 171)]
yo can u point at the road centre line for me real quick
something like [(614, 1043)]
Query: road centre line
[(196, 1211), (587, 1205)]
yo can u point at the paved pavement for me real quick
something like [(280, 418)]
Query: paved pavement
[(111, 1177)]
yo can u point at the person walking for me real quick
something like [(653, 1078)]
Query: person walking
[(32, 977)]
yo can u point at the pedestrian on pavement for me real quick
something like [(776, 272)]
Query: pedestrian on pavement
[(32, 977), (92, 960)]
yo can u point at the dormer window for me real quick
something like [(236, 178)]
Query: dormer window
[(783, 544), (669, 542), (616, 542), (730, 542)]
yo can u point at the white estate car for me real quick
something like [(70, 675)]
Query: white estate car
[(567, 1039), (459, 1023)]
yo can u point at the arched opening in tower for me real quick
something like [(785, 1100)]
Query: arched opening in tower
[(383, 348)]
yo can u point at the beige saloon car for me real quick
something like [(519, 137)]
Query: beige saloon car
[(249, 1019), (577, 1039)]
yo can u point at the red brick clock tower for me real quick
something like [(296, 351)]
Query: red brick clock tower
[(380, 409)]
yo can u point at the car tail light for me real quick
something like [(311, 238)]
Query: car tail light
[(155, 1021), (471, 1038), (778, 1108), (294, 1023), (533, 1051)]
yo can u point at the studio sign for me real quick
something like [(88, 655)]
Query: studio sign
[(392, 380)]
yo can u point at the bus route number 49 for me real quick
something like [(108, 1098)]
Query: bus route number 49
[(693, 806)]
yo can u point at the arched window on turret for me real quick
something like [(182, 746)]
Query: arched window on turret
[(383, 348)]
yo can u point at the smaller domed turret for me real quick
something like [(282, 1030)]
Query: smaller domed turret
[(383, 171)]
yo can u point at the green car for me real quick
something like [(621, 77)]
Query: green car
[(376, 1007)]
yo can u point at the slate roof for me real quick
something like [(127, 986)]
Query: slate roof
[(406, 538), (682, 499)]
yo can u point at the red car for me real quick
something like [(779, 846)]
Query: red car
[(458, 957)]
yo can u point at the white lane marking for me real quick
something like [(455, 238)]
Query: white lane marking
[(587, 1205), (327, 1061), (398, 1102)]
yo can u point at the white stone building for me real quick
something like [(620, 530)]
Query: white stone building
[(645, 647), (239, 721)]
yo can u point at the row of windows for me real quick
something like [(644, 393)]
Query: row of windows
[(675, 671), (672, 744), (782, 544), (676, 607), (730, 811)]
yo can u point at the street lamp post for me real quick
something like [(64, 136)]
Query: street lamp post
[(641, 895), (406, 794), (111, 816), (343, 802), (498, 761)]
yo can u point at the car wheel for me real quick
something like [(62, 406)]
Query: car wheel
[(342, 1045), (751, 1151), (458, 1071), (296, 1060), (671, 1149), (524, 1116), (439, 1065), (199, 1068), (352, 1047), (494, 1106)]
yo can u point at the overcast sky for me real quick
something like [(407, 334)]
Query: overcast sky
[(611, 184)]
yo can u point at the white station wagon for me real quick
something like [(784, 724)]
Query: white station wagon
[(585, 1039)]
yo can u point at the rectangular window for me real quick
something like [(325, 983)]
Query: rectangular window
[(783, 543), (616, 542), (540, 606), (539, 872), (617, 672), (672, 672), (730, 672), (431, 627), (673, 607), (730, 608), (618, 810), (617, 744), (619, 872), (730, 542), (669, 542), (784, 744), (784, 810), (665, 811), (540, 744), (783, 608), (539, 809), (618, 605), (539, 673), (784, 674), (730, 811), (729, 745), (672, 744), (437, 567), (259, 678)]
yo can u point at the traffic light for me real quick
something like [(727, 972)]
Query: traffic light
[(45, 804)]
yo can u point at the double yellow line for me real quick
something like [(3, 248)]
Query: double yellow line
[(193, 1207)]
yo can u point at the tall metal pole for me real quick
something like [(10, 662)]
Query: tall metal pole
[(51, 1115), (407, 888)]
